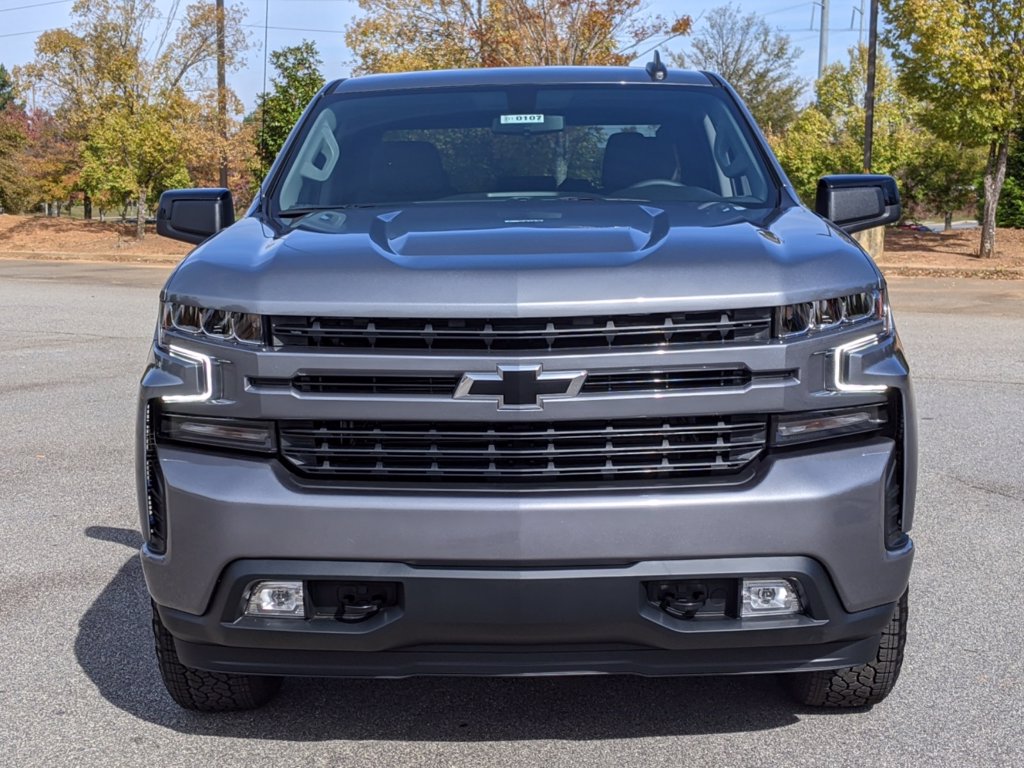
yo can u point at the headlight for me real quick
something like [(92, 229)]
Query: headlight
[(236, 434), (218, 324), (852, 309)]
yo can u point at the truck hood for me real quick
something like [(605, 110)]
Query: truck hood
[(506, 260)]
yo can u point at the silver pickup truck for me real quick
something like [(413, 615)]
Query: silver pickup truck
[(527, 371)]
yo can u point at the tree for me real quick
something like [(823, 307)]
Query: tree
[(121, 63), (7, 92), (140, 152), (828, 136), (807, 151), (49, 161), (402, 35), (13, 135), (758, 62), (1011, 201), (964, 59), (943, 178), (296, 81)]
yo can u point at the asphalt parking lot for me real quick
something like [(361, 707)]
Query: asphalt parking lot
[(79, 684)]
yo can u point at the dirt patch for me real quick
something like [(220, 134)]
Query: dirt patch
[(53, 238), (952, 254)]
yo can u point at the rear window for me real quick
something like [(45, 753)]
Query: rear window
[(656, 143)]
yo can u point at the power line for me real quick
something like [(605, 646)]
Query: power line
[(808, 29), (297, 29), (254, 26), (34, 5), (29, 32), (789, 8)]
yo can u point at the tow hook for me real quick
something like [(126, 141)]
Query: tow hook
[(357, 602), (680, 599), (359, 611)]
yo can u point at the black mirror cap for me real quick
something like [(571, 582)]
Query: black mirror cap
[(858, 201), (192, 215)]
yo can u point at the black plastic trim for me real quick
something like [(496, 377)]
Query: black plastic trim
[(649, 663), (523, 620)]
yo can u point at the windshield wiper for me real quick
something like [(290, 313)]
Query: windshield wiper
[(292, 213)]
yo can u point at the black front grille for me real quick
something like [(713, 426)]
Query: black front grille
[(444, 386), (592, 451), (524, 335)]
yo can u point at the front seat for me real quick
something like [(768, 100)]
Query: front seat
[(631, 157), (400, 171)]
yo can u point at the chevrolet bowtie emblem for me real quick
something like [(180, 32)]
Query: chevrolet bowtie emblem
[(519, 387)]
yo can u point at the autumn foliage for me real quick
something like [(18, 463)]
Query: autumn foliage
[(404, 35)]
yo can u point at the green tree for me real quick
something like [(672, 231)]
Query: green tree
[(806, 151), (7, 93), (138, 152), (403, 35), (942, 178), (296, 81), (123, 61), (964, 59), (828, 136), (1011, 202), (758, 61)]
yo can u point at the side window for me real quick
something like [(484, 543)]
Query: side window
[(314, 163)]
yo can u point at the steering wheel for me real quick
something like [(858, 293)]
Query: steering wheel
[(655, 183)]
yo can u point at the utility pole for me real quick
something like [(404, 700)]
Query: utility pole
[(222, 95), (869, 93), (823, 39)]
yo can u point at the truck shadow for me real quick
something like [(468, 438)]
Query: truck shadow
[(114, 647)]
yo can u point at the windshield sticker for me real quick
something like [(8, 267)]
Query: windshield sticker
[(522, 119)]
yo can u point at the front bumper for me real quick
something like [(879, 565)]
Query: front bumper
[(459, 621), (824, 505), (503, 582)]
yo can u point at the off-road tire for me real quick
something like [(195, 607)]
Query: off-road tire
[(204, 691), (864, 685)]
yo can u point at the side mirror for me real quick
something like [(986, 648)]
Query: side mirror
[(858, 201), (192, 215)]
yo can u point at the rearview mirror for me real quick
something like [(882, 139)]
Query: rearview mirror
[(854, 202), (192, 215)]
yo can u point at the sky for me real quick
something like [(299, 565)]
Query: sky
[(323, 21)]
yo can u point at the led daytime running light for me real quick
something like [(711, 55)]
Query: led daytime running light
[(206, 375), (839, 357)]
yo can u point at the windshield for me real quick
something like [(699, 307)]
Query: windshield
[(657, 143)]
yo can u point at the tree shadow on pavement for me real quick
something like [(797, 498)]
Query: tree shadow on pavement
[(114, 647)]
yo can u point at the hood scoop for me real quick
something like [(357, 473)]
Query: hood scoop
[(502, 236)]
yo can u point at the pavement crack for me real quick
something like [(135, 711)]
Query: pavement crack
[(978, 487)]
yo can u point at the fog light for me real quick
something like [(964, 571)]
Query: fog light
[(768, 597), (283, 599)]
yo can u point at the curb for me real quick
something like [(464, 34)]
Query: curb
[(118, 258), (978, 273)]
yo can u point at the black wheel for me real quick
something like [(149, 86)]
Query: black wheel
[(208, 691), (861, 686)]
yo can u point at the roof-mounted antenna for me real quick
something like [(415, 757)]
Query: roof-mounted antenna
[(655, 69)]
